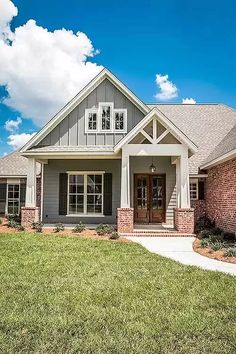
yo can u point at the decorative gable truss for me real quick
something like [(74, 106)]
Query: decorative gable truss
[(156, 128), (154, 133)]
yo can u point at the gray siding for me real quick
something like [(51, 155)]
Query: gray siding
[(71, 131), (141, 165), (51, 188)]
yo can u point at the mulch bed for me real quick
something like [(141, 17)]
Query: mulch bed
[(87, 233), (208, 252)]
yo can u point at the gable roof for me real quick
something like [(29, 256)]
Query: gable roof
[(224, 151), (163, 120), (205, 124), (14, 165), (104, 74)]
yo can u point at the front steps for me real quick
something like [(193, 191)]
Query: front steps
[(157, 233)]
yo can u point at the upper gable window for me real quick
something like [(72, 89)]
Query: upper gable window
[(105, 119)]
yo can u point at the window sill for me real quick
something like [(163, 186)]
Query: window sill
[(86, 215)]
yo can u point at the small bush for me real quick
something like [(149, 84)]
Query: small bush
[(229, 236), (114, 236), (0, 221), (230, 252), (12, 223), (204, 223), (205, 234), (216, 246), (38, 226), (20, 228), (79, 227), (216, 231), (59, 227), (14, 217), (216, 238), (204, 243), (104, 230)]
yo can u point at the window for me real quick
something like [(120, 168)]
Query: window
[(13, 199), (92, 121), (85, 194), (105, 118), (193, 188), (120, 119)]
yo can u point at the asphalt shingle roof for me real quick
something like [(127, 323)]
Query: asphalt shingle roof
[(205, 124), (14, 165)]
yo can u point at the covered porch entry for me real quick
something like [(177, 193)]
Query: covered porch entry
[(155, 176)]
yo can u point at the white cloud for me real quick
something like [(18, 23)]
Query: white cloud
[(7, 12), (43, 70), (13, 125), (16, 141), (168, 90), (188, 101)]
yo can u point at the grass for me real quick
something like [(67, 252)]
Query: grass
[(73, 295)]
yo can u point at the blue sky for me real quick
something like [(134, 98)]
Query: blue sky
[(193, 42)]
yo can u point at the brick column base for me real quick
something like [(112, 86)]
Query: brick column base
[(184, 220), (28, 216), (125, 220)]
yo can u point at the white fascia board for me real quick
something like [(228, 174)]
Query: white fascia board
[(163, 120), (72, 155), (104, 74), (228, 156)]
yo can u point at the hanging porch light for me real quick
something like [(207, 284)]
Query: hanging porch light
[(152, 167)]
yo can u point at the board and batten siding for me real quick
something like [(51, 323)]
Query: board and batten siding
[(51, 189), (71, 131), (141, 165)]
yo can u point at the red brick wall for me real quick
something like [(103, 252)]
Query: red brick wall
[(125, 220), (221, 195), (184, 220)]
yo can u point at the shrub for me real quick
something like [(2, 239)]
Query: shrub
[(216, 231), (20, 227), (229, 236), (216, 238), (14, 217), (0, 221), (79, 227), (216, 246), (104, 229), (204, 243), (38, 226), (230, 252), (114, 236), (59, 227), (205, 234), (12, 223), (204, 223)]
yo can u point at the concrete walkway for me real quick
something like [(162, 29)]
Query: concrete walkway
[(180, 249)]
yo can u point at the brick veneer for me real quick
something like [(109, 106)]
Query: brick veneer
[(125, 220), (221, 195), (28, 216), (184, 220)]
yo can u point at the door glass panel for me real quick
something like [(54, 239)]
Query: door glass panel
[(142, 192)]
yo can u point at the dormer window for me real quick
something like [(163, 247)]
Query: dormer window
[(105, 119)]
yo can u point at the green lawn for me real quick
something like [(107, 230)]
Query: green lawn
[(72, 295)]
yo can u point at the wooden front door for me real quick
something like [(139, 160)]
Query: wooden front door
[(149, 198)]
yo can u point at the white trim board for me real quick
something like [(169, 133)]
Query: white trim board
[(226, 157), (104, 74)]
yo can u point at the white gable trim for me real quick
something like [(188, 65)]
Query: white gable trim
[(177, 133), (104, 74), (226, 157)]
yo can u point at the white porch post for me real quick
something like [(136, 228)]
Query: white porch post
[(30, 200), (178, 185), (125, 180), (184, 181)]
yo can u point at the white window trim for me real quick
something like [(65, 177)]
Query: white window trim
[(13, 182), (85, 174), (108, 104), (98, 111), (191, 181), (87, 111), (120, 110)]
